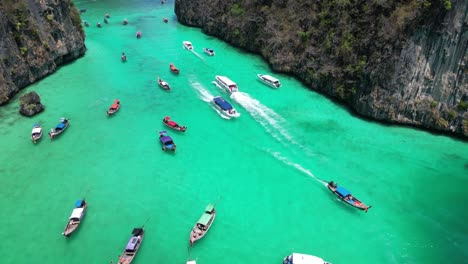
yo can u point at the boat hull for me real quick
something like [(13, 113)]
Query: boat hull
[(197, 234), (226, 84), (35, 138), (112, 111)]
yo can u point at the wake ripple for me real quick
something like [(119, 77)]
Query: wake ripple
[(297, 166)]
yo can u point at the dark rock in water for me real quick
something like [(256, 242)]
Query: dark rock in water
[(30, 104)]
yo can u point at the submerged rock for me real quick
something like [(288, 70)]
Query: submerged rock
[(30, 104)]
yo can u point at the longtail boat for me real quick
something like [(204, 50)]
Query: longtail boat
[(36, 133), (64, 123), (172, 124), (346, 196), (132, 247), (75, 218), (203, 224), (114, 107)]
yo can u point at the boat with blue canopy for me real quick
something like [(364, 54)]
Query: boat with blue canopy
[(64, 123), (224, 107), (203, 224), (133, 245), (76, 217), (346, 196), (166, 141)]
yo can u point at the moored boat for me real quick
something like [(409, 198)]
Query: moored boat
[(133, 246), (226, 83), (36, 133), (165, 20), (125, 22), (64, 123), (75, 218), (163, 84), (123, 57), (138, 34), (166, 141), (172, 124), (225, 107), (346, 196), (187, 45), (173, 69), (203, 224), (209, 51), (114, 107), (269, 80), (297, 258)]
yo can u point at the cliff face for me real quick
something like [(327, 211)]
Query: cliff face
[(36, 36), (395, 61)]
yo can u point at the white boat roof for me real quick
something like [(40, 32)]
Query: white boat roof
[(76, 213), (191, 262), (269, 77), (226, 80), (187, 42), (164, 83), (306, 259), (37, 130)]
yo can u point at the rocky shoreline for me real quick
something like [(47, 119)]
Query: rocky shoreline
[(36, 37), (397, 63)]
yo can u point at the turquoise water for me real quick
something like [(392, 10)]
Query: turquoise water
[(263, 168)]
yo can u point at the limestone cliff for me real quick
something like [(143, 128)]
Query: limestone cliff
[(36, 36), (395, 61)]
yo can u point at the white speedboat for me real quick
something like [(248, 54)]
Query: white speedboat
[(296, 258), (226, 83), (187, 45), (225, 107), (209, 51), (36, 133), (269, 80)]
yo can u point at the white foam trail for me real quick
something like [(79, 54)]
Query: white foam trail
[(268, 118), (286, 161)]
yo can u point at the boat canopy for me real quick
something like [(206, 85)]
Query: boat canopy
[(306, 259), (79, 203), (191, 262), (166, 139), (209, 208), (222, 103), (270, 78), (204, 219), (76, 214), (172, 123), (226, 81), (132, 243), (342, 191), (36, 130), (114, 106), (60, 126)]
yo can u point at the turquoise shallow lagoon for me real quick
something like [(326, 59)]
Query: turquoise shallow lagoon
[(265, 165)]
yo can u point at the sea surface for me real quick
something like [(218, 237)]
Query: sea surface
[(264, 170)]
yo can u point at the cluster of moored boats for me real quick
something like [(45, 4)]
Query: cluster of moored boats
[(198, 231), (36, 132)]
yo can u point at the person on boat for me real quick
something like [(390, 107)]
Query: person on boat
[(107, 15), (332, 184)]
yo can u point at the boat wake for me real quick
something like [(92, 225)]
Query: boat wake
[(297, 166), (206, 96), (268, 118)]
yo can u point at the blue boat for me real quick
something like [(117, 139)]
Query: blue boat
[(225, 107), (346, 196), (64, 123), (166, 141)]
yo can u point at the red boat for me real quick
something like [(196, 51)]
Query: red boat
[(114, 107), (168, 122), (173, 69)]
